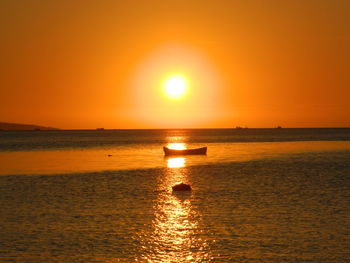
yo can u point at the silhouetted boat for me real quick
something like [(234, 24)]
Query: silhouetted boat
[(168, 151)]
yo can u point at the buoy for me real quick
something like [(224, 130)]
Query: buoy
[(182, 187)]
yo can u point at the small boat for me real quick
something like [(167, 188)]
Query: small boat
[(168, 151)]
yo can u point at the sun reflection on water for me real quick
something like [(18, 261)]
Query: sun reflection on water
[(176, 162), (176, 232)]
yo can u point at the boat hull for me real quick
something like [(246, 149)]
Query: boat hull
[(197, 151)]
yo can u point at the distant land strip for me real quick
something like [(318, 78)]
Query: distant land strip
[(6, 126)]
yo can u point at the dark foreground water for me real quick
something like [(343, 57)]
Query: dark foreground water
[(284, 201)]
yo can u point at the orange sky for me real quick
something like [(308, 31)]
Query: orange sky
[(93, 64)]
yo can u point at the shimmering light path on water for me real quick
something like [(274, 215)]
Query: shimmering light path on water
[(150, 156)]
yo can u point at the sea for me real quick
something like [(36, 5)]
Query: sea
[(259, 195)]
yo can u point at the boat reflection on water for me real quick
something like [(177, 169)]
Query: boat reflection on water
[(176, 235)]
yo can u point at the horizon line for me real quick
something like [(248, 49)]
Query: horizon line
[(238, 127), (226, 128)]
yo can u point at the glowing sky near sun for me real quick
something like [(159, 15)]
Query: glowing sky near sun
[(70, 64)]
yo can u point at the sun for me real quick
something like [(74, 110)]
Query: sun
[(175, 86)]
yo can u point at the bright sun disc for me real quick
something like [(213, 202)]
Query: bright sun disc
[(175, 86)]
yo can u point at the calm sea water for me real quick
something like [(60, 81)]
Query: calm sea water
[(260, 195)]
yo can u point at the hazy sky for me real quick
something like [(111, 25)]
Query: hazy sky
[(89, 64)]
